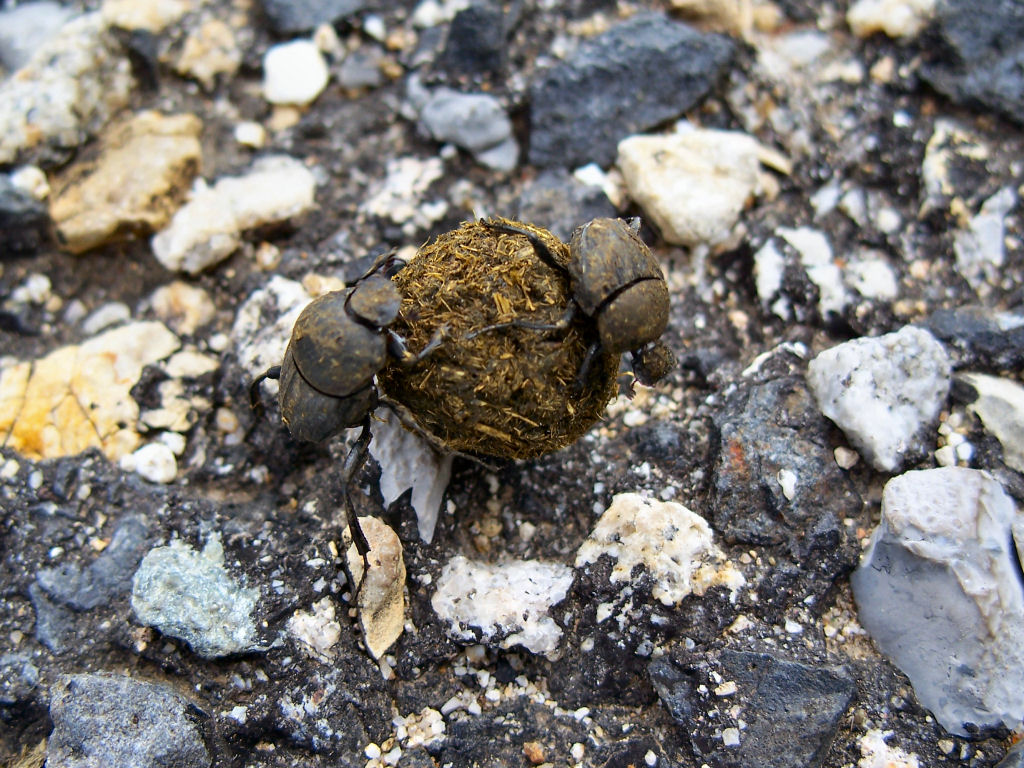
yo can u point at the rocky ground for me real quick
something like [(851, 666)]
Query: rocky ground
[(833, 191)]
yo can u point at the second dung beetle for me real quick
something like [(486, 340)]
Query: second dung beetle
[(614, 280), (339, 343)]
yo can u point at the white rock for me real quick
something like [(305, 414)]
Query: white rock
[(896, 18), (397, 196), (510, 598), (939, 590), (673, 544), (71, 87), (1000, 406), (26, 27), (208, 228), (950, 144), (152, 16), (31, 179), (875, 753), (872, 277), (250, 134), (294, 73), (693, 185), (980, 249), (154, 462), (318, 629), (407, 461), (816, 258), (258, 344), (769, 269), (882, 392)]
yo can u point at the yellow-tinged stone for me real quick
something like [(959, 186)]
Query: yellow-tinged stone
[(77, 397), (381, 599), (209, 51), (152, 15), (145, 168)]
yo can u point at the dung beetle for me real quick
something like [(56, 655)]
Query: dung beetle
[(615, 281), (339, 343)]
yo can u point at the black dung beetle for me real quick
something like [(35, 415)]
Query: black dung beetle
[(339, 343), (614, 280)]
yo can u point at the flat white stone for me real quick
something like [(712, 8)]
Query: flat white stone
[(883, 391)]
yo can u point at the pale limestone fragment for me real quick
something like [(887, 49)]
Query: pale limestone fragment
[(144, 170), (318, 629), (1000, 406), (209, 51), (674, 545), (896, 18), (381, 601)]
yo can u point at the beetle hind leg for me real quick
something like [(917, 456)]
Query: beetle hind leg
[(353, 462)]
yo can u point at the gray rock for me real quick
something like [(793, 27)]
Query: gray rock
[(999, 403), (101, 721), (24, 222), (982, 61), (633, 77), (189, 595), (476, 40), (55, 624), (109, 576), (774, 466), (980, 337), (18, 678), (939, 590), (883, 392), (288, 16), (26, 27), (474, 121), (558, 202), (791, 710)]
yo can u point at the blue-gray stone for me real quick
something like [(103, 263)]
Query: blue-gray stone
[(109, 576), (18, 678), (633, 77), (101, 721), (288, 16), (982, 59)]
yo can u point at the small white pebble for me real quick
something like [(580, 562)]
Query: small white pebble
[(946, 456), (577, 752), (393, 756), (250, 134), (373, 26), (32, 180), (787, 479), (726, 689), (294, 73), (173, 440), (154, 462), (731, 737), (793, 628), (846, 458), (650, 758), (372, 751)]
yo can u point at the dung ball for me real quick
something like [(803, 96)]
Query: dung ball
[(509, 392)]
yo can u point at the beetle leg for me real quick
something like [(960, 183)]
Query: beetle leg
[(539, 246), (355, 459), (560, 325), (385, 261), (398, 349), (274, 372), (593, 351)]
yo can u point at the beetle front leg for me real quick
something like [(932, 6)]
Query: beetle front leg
[(400, 351), (274, 372), (539, 246)]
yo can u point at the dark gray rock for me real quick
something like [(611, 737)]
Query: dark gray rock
[(18, 678), (55, 624), (24, 222), (980, 337), (288, 16), (635, 76), (101, 721), (476, 41), (560, 203), (791, 710), (109, 576), (771, 428), (980, 61)]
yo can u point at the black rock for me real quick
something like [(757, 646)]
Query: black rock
[(24, 222), (55, 624), (476, 41), (560, 203), (790, 710), (979, 337), (107, 577), (633, 77), (980, 58), (289, 16), (115, 720)]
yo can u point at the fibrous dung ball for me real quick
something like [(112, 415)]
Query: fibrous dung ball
[(508, 392)]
